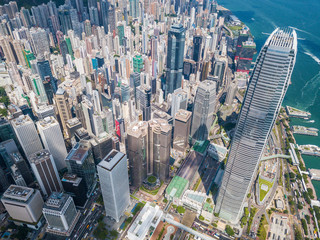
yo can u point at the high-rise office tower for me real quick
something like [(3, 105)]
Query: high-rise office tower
[(44, 70), (46, 172), (267, 87), (197, 47), (52, 138), (62, 103), (179, 101), (75, 186), (101, 146), (38, 89), (114, 181), (203, 110), (176, 40), (27, 134), (159, 148), (80, 161), (144, 101), (138, 152), (182, 123), (22, 166), (219, 71), (87, 109), (23, 203), (72, 125), (7, 132), (61, 214)]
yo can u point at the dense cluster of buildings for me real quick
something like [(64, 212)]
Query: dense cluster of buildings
[(108, 91)]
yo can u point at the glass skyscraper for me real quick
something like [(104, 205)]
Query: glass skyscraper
[(176, 40), (203, 110), (267, 87)]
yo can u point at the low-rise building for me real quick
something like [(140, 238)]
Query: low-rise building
[(176, 189), (145, 223)]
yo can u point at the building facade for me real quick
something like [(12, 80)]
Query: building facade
[(267, 87)]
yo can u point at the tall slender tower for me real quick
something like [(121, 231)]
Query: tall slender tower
[(203, 109), (52, 139), (114, 180), (265, 93), (27, 134), (176, 40)]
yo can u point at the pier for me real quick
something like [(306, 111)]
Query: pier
[(305, 130), (294, 112), (311, 150)]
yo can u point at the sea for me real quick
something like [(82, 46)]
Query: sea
[(262, 17)]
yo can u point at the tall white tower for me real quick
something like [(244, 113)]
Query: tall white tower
[(52, 139)]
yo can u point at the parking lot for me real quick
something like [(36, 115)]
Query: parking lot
[(280, 228)]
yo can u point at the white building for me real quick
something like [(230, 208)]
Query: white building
[(27, 134), (114, 182), (51, 136), (179, 101), (23, 203), (149, 217), (193, 200)]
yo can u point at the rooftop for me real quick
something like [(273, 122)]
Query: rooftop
[(71, 178), (111, 160), (79, 152), (47, 122), (18, 193), (39, 156), (183, 115), (177, 187), (56, 201), (21, 120)]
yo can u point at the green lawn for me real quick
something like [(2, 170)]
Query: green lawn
[(152, 192), (262, 192)]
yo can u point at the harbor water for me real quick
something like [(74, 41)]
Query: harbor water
[(262, 17)]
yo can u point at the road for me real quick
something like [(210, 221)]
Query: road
[(88, 218)]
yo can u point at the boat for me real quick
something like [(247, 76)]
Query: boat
[(311, 121)]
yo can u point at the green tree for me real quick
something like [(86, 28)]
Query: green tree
[(229, 230)]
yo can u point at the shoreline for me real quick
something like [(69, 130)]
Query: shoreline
[(309, 184)]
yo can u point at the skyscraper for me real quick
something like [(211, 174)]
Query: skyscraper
[(266, 90), (138, 152), (61, 100), (80, 161), (159, 148), (144, 101), (61, 214), (114, 181), (179, 101), (27, 134), (182, 123), (203, 110), (52, 139), (46, 172), (176, 40)]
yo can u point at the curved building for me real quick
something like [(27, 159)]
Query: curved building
[(266, 90)]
